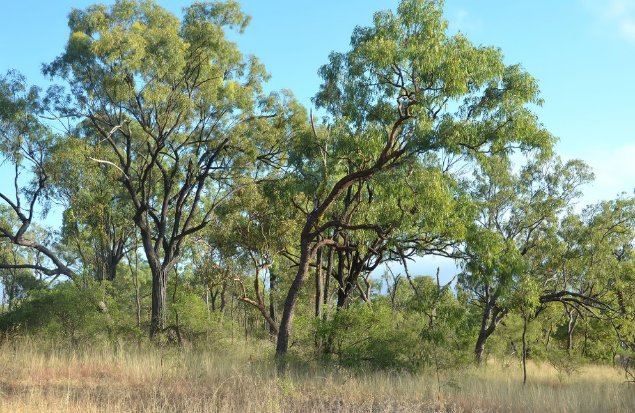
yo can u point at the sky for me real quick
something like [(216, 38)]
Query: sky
[(581, 51)]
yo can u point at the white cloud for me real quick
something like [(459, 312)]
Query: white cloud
[(627, 29), (616, 13), (619, 8)]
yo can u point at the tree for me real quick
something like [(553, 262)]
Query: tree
[(96, 222), (180, 109), (517, 211), (416, 210), (17, 283), (255, 234), (26, 143), (406, 89), (588, 267)]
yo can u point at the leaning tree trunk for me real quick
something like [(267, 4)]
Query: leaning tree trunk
[(491, 317), (282, 345), (479, 349), (570, 328)]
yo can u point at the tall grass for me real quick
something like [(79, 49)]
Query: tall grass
[(37, 376)]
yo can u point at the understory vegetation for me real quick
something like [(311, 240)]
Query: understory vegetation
[(239, 376), (221, 249)]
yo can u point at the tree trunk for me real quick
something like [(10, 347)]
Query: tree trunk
[(341, 294), (327, 278), (570, 328), (223, 297), (10, 295), (111, 266), (4, 296), (479, 349), (492, 315), (282, 345), (207, 301), (273, 282), (369, 287), (137, 295), (341, 298), (318, 284), (548, 337), (159, 279), (159, 292)]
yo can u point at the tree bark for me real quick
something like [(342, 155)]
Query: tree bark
[(341, 293), (135, 280), (479, 350), (327, 278), (111, 266), (570, 328), (273, 314), (492, 315), (282, 345), (223, 297), (159, 293), (318, 284)]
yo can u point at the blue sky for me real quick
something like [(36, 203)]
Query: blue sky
[(581, 51)]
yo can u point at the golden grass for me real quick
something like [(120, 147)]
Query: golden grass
[(37, 378)]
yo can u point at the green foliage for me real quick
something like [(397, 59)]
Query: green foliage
[(192, 317), (446, 331), (374, 337), (64, 312), (428, 329), (407, 63)]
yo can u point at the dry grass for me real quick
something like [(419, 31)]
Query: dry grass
[(34, 378)]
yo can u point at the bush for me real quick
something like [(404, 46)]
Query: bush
[(62, 312), (377, 337)]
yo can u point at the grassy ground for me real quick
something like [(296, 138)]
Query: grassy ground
[(36, 378)]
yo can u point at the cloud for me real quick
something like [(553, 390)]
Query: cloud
[(620, 8), (616, 13), (627, 29)]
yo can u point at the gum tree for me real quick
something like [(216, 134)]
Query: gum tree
[(180, 110), (406, 89), (518, 215), (26, 147), (96, 222)]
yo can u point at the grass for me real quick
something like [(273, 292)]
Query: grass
[(242, 378)]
